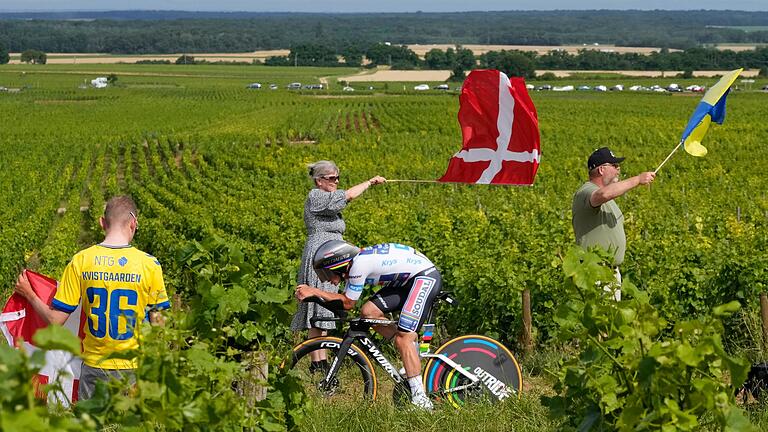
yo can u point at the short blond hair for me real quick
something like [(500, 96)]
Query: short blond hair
[(118, 210)]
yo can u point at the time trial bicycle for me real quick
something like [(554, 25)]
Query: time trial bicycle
[(465, 367)]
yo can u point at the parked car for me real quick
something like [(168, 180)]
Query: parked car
[(253, 86), (294, 86), (273, 86), (563, 88), (348, 89), (584, 88), (765, 88), (674, 88), (421, 87), (618, 87), (442, 87), (544, 87), (601, 88)]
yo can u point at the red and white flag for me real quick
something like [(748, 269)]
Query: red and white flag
[(19, 322), (500, 131)]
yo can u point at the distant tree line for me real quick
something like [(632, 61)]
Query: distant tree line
[(512, 62), (524, 63), (186, 32), (4, 56)]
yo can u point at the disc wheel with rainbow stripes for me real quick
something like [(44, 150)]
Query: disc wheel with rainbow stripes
[(482, 356)]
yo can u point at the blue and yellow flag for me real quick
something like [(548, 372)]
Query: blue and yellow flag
[(710, 109)]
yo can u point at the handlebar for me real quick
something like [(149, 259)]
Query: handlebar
[(335, 306)]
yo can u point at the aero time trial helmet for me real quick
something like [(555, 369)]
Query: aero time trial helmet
[(333, 257)]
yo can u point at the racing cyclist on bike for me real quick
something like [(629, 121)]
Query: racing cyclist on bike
[(409, 284)]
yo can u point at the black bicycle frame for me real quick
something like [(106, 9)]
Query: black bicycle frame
[(359, 330)]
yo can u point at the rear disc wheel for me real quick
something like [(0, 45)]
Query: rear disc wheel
[(489, 360)]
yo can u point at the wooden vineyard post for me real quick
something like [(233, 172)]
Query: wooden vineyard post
[(527, 338), (254, 387), (764, 318)]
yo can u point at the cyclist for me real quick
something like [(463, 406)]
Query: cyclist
[(409, 284)]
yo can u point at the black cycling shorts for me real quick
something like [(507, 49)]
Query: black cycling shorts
[(413, 299)]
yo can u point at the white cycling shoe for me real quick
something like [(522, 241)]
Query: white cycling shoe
[(423, 402)]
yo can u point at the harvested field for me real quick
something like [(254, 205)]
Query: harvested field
[(421, 50), (95, 58), (442, 75), (740, 47), (636, 73), (399, 76)]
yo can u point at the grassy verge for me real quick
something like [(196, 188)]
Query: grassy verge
[(524, 413)]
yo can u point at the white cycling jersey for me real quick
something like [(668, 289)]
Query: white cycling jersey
[(385, 265)]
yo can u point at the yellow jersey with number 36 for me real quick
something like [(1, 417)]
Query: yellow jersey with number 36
[(117, 285)]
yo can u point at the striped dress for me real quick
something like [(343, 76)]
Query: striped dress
[(322, 217)]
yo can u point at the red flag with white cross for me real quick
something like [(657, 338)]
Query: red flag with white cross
[(500, 130)]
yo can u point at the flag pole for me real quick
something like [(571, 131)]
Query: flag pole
[(411, 181), (670, 155)]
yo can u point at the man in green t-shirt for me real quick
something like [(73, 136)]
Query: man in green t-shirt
[(597, 220)]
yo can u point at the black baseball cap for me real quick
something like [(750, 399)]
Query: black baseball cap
[(601, 156)]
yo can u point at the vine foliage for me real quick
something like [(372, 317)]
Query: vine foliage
[(631, 371)]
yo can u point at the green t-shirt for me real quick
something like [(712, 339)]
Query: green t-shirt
[(602, 225)]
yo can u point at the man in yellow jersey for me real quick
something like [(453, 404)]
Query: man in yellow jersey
[(118, 285)]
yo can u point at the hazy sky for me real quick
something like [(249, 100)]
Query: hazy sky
[(373, 6)]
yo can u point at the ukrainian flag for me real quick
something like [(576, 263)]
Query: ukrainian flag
[(710, 109)]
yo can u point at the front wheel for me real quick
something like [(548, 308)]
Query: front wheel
[(354, 380), (489, 360)]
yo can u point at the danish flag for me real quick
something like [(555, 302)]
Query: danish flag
[(19, 322), (500, 131)]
